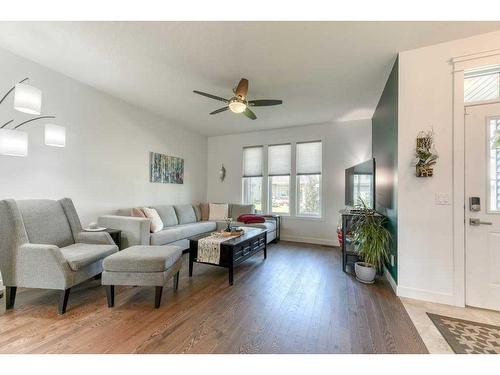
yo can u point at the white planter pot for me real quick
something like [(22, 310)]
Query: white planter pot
[(365, 272)]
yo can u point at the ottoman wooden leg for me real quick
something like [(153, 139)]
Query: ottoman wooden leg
[(176, 280), (110, 295), (158, 292)]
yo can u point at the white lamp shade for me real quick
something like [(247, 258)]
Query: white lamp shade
[(55, 135), (13, 142), (28, 99)]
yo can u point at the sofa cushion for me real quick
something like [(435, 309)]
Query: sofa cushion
[(180, 232), (197, 211), (270, 225), (185, 214), (155, 219), (236, 210), (167, 214), (45, 222), (80, 255), (143, 259)]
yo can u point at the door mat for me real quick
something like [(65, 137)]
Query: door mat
[(466, 337)]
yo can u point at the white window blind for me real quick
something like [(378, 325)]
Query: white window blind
[(252, 161), (279, 160), (309, 158)]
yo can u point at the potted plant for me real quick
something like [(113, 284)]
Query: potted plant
[(372, 240), (426, 156)]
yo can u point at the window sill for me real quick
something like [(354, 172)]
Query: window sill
[(306, 218)]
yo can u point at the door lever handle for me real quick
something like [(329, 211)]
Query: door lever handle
[(476, 222)]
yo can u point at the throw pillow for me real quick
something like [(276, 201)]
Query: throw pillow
[(156, 223), (218, 211), (137, 212), (205, 210), (251, 219), (197, 211)]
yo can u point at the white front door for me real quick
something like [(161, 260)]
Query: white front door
[(482, 216)]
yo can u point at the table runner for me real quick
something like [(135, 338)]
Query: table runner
[(209, 248)]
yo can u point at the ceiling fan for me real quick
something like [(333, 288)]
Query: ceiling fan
[(239, 103)]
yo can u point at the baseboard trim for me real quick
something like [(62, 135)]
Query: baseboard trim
[(426, 295), (312, 240), (391, 281)]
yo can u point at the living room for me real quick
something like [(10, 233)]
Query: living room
[(167, 188)]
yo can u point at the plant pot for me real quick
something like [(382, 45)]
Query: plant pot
[(365, 272)]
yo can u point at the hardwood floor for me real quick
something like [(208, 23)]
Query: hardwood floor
[(297, 301)]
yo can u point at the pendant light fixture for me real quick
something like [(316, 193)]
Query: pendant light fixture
[(55, 135), (13, 142), (27, 99)]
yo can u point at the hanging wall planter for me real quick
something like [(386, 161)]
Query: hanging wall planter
[(426, 156)]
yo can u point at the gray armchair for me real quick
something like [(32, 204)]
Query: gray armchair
[(42, 245)]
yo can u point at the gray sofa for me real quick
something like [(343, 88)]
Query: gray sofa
[(179, 223), (43, 246)]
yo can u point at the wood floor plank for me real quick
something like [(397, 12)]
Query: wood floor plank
[(296, 301)]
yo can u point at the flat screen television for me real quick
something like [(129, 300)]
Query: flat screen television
[(360, 183)]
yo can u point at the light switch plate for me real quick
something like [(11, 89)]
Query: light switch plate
[(443, 198)]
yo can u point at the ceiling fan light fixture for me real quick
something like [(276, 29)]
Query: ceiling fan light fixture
[(237, 105)]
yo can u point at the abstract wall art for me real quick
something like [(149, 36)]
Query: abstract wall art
[(166, 169)]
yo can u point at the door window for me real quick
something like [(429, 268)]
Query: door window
[(494, 165)]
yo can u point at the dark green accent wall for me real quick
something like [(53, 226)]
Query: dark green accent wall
[(385, 152)]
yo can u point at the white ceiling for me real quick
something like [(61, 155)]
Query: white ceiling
[(323, 71)]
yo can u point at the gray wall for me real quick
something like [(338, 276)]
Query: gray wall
[(385, 152)]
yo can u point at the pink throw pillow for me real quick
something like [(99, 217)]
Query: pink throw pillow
[(137, 212)]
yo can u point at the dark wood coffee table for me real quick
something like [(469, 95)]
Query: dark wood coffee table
[(233, 251)]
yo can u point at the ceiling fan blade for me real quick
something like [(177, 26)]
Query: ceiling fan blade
[(242, 89), (247, 112), (264, 102), (211, 96), (219, 110)]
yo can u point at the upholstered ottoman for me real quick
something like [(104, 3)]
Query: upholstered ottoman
[(142, 266)]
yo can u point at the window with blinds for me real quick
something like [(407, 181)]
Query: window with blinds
[(309, 165), (482, 85), (279, 161), (252, 161), (252, 177), (287, 181)]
